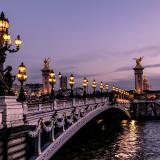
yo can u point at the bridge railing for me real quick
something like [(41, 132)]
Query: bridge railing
[(59, 104)]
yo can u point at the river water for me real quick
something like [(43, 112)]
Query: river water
[(125, 140)]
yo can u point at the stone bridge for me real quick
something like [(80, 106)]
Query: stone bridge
[(68, 118), (51, 124)]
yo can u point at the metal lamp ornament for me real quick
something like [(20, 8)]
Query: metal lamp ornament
[(52, 81), (71, 83), (94, 85), (85, 84), (22, 77), (106, 87), (5, 47)]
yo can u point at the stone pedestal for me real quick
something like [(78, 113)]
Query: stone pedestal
[(138, 71), (12, 111)]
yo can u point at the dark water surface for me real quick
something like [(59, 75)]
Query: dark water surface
[(126, 140)]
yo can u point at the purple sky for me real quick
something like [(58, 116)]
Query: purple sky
[(87, 37)]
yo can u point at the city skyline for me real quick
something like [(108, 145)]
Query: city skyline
[(94, 39)]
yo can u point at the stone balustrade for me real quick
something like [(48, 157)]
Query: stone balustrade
[(58, 104)]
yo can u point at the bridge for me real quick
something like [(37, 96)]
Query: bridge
[(68, 117), (57, 121)]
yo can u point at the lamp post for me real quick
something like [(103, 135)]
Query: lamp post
[(21, 76), (94, 85), (60, 76), (60, 84), (5, 46), (101, 88), (85, 84), (71, 83), (112, 96), (106, 89), (52, 82)]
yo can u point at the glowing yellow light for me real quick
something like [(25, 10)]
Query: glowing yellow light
[(7, 37), (18, 41), (21, 76), (71, 80), (101, 85), (52, 79), (133, 122), (22, 68), (113, 88), (85, 82), (4, 25), (106, 86), (94, 84)]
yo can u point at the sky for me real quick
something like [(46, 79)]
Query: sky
[(93, 38)]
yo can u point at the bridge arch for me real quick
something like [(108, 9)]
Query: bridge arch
[(116, 112), (75, 127)]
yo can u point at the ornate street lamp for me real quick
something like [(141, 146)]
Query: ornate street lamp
[(85, 84), (22, 77), (52, 82), (94, 85), (60, 83), (106, 87), (5, 46), (101, 87), (113, 89), (71, 83), (60, 76)]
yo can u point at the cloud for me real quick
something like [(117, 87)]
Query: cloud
[(127, 84), (84, 57), (129, 68), (152, 66), (123, 69), (152, 50)]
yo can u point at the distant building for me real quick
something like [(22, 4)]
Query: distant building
[(16, 89), (33, 89), (45, 77), (63, 83), (146, 85)]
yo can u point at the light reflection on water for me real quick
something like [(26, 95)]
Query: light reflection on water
[(131, 140), (128, 143)]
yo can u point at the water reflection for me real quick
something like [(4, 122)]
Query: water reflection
[(128, 140)]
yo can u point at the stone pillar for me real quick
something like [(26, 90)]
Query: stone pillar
[(12, 111), (138, 72), (45, 76)]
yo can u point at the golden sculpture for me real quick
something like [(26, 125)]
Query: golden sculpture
[(138, 60), (46, 63)]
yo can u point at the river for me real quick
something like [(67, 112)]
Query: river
[(125, 140)]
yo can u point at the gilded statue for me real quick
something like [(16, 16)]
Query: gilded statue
[(46, 63), (138, 60)]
